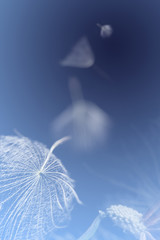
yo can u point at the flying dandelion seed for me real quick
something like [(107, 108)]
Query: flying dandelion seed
[(134, 222), (84, 121), (35, 190), (105, 30), (82, 56)]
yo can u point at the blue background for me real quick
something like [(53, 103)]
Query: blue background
[(34, 37)]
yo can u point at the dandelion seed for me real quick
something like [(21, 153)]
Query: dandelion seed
[(84, 121), (105, 30), (132, 221), (35, 189)]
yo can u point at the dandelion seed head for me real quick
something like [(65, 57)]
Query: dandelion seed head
[(127, 218), (35, 189)]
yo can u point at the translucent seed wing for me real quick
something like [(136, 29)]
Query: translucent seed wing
[(81, 55)]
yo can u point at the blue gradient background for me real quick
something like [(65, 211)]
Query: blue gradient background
[(34, 37)]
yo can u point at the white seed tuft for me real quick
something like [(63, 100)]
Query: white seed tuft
[(127, 218)]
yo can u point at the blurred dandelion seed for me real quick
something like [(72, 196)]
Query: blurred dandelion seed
[(35, 189), (84, 121), (82, 56), (132, 221), (105, 30)]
